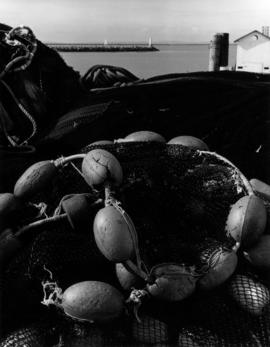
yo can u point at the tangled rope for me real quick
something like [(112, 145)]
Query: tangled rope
[(25, 42)]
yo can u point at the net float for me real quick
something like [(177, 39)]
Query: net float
[(246, 220), (251, 295), (38, 176), (80, 211), (259, 254), (91, 301), (114, 235), (126, 278), (220, 265), (143, 135), (189, 141), (100, 166), (34, 179), (260, 187), (172, 282), (101, 142)]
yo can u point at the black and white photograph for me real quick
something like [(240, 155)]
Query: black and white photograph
[(134, 173)]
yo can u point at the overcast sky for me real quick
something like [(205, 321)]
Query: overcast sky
[(135, 20)]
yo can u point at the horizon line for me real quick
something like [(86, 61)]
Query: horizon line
[(133, 43)]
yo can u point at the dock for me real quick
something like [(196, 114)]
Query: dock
[(67, 47)]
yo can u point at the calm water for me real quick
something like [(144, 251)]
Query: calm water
[(170, 59)]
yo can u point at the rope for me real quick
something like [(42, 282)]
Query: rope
[(25, 112), (138, 267), (22, 37), (14, 38)]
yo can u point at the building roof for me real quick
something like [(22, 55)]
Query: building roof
[(252, 33)]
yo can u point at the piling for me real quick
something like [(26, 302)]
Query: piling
[(224, 56), (219, 52)]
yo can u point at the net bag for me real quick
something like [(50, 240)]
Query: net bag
[(178, 266)]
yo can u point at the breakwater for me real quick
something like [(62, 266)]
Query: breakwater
[(102, 47)]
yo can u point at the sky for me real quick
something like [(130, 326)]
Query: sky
[(135, 20)]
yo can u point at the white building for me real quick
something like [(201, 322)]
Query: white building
[(253, 52)]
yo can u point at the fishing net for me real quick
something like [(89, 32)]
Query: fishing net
[(179, 199)]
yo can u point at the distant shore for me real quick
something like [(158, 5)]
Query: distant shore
[(102, 48)]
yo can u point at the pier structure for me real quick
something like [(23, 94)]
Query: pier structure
[(102, 47)]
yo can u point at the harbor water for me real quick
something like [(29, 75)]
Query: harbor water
[(178, 58)]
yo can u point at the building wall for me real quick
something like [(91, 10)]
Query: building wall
[(253, 55)]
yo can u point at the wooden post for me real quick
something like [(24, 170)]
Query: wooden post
[(218, 53), (224, 56), (214, 52)]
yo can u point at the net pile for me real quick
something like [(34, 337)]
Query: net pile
[(179, 199)]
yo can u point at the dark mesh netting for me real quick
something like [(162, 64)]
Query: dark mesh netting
[(179, 199)]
